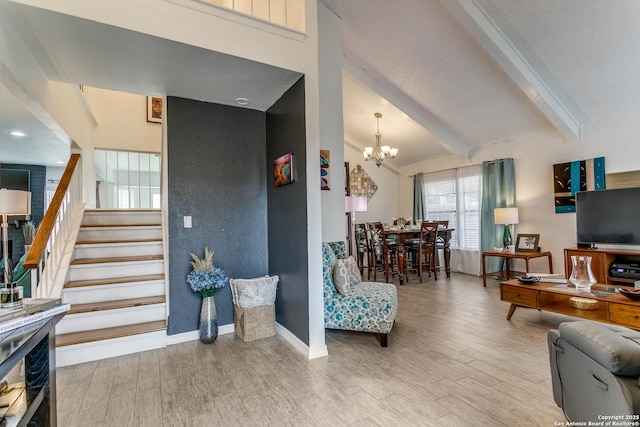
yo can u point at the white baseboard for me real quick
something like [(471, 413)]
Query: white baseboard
[(98, 350), (195, 335), (310, 353)]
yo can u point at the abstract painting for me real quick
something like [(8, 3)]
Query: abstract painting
[(283, 170), (571, 177), (324, 170)]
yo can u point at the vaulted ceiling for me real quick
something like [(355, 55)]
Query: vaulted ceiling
[(475, 72)]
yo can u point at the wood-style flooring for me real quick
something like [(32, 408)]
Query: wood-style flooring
[(452, 360)]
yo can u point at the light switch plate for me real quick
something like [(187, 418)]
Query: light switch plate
[(187, 222)]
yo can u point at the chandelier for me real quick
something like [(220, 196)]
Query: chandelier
[(381, 152)]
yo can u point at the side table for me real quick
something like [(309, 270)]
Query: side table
[(512, 274)]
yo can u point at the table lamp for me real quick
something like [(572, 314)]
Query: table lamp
[(507, 217), (12, 202), (353, 204)]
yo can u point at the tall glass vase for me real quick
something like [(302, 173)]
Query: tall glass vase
[(208, 320), (581, 275)]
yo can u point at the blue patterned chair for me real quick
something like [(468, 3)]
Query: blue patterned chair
[(367, 307)]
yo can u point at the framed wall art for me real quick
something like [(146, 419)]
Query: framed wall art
[(324, 169), (571, 177), (283, 170), (154, 109)]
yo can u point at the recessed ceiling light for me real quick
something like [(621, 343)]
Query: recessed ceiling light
[(242, 101), (60, 162), (17, 133)]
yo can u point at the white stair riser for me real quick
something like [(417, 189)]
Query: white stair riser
[(122, 217), (110, 318), (93, 234), (99, 293), (117, 269), (97, 350), (117, 250)]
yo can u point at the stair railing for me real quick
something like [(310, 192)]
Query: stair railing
[(52, 248)]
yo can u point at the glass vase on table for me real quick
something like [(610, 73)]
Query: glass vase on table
[(581, 275)]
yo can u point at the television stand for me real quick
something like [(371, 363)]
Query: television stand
[(601, 259)]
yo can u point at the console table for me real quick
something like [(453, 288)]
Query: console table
[(511, 274), (612, 307), (35, 343)]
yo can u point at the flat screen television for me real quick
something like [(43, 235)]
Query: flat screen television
[(15, 179), (608, 217)]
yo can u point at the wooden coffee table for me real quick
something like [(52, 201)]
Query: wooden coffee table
[(612, 308)]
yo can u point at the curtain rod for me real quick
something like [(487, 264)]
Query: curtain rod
[(475, 164)]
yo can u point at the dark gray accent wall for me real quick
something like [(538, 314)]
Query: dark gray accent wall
[(37, 184), (216, 173), (288, 247)]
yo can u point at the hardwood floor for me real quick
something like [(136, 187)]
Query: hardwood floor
[(453, 360)]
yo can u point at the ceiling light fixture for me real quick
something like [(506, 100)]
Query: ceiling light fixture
[(381, 152), (17, 133), (242, 101)]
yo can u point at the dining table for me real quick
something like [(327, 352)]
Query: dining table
[(400, 236)]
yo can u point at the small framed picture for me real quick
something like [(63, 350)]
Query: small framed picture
[(283, 170), (154, 109), (527, 242)]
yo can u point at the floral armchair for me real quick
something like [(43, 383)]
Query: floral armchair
[(367, 306)]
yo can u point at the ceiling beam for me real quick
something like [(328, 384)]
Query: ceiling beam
[(370, 77), (480, 25)]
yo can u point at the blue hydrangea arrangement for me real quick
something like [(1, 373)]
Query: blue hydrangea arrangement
[(205, 279)]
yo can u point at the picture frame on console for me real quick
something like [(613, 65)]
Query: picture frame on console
[(527, 242)]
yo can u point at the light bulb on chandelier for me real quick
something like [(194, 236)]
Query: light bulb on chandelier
[(380, 152)]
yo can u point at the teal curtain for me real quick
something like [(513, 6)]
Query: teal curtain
[(418, 197), (498, 191)]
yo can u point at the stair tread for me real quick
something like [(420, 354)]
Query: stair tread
[(109, 333), (113, 281), (153, 224), (84, 261), (104, 242), (111, 305)]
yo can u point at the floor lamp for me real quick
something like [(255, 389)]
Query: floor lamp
[(353, 204), (12, 202)]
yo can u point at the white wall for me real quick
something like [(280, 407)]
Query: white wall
[(384, 203), (122, 121), (331, 126), (534, 156)]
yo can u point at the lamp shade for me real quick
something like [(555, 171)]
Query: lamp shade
[(15, 202), (355, 204), (505, 215)]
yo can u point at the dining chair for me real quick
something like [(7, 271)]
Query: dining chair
[(424, 252), (362, 247), (440, 240), (381, 251)]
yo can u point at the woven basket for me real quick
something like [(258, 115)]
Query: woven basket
[(255, 323)]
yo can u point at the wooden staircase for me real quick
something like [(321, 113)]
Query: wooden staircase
[(116, 287)]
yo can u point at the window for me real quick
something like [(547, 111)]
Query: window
[(454, 195), (127, 179)]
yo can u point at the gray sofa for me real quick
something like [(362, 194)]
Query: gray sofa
[(595, 371)]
